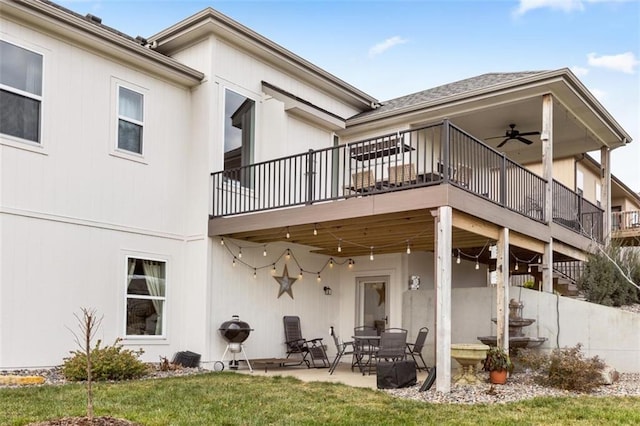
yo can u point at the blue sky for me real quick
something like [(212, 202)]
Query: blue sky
[(393, 48)]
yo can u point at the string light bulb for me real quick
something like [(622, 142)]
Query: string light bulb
[(315, 230), (539, 259), (273, 269), (234, 262), (300, 275), (288, 234), (240, 254), (458, 260), (351, 262), (264, 252), (408, 248), (331, 262), (340, 245), (254, 273), (529, 269), (288, 255), (516, 267), (221, 241), (319, 278), (477, 264), (371, 254)]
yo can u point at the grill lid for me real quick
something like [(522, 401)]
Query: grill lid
[(234, 330)]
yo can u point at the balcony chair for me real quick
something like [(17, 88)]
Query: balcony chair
[(415, 349), (342, 348), (363, 181), (312, 351), (402, 174)]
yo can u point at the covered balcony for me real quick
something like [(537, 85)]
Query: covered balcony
[(418, 159)]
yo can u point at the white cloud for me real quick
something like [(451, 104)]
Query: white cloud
[(386, 45), (579, 71), (562, 5), (624, 62)]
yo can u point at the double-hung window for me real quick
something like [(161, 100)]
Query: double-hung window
[(20, 92), (146, 297), (130, 120)]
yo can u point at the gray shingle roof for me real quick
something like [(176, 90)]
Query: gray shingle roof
[(441, 92)]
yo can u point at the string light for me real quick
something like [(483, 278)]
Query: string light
[(371, 255), (340, 245), (300, 275), (331, 263), (516, 267), (288, 255), (234, 262), (315, 230), (221, 241), (240, 254), (351, 263), (477, 264), (254, 273), (408, 248), (273, 270), (319, 278), (264, 251), (529, 269), (458, 259), (288, 234), (539, 259)]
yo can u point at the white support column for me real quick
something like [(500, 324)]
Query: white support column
[(502, 290), (442, 278), (605, 196), (546, 137)]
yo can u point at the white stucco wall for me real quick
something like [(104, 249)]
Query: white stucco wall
[(607, 332)]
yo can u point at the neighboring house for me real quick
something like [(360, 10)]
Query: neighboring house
[(165, 181)]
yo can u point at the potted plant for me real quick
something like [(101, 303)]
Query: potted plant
[(498, 364)]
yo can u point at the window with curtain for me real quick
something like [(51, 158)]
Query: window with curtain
[(130, 120), (146, 297), (20, 92)]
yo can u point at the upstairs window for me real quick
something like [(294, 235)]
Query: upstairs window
[(130, 120), (20, 92), (239, 123)]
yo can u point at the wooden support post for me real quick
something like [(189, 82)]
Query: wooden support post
[(502, 290), (546, 137), (442, 278), (605, 196)]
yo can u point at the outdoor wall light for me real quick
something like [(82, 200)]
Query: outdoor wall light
[(327, 290)]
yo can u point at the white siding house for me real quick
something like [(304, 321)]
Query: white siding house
[(118, 155)]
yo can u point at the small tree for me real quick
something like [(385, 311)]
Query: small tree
[(88, 324)]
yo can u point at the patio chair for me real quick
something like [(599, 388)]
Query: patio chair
[(393, 345), (365, 344), (342, 348), (311, 351), (415, 349)]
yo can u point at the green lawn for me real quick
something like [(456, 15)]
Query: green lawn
[(239, 399)]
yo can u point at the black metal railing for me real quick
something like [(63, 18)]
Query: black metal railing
[(439, 153), (570, 270), (571, 210)]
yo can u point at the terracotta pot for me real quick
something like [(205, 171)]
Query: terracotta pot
[(498, 377)]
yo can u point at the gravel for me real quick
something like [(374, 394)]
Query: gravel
[(519, 386)]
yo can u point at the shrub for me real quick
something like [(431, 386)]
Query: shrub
[(565, 368), (108, 363), (603, 283)]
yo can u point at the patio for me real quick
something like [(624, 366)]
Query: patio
[(342, 374)]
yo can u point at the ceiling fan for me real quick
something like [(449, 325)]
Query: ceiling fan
[(512, 133)]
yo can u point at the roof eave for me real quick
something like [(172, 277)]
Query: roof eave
[(129, 49), (227, 27)]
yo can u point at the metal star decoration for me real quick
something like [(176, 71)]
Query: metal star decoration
[(285, 283)]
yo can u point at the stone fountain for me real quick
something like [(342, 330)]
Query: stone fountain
[(517, 339)]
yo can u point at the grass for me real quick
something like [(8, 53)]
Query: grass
[(238, 399)]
